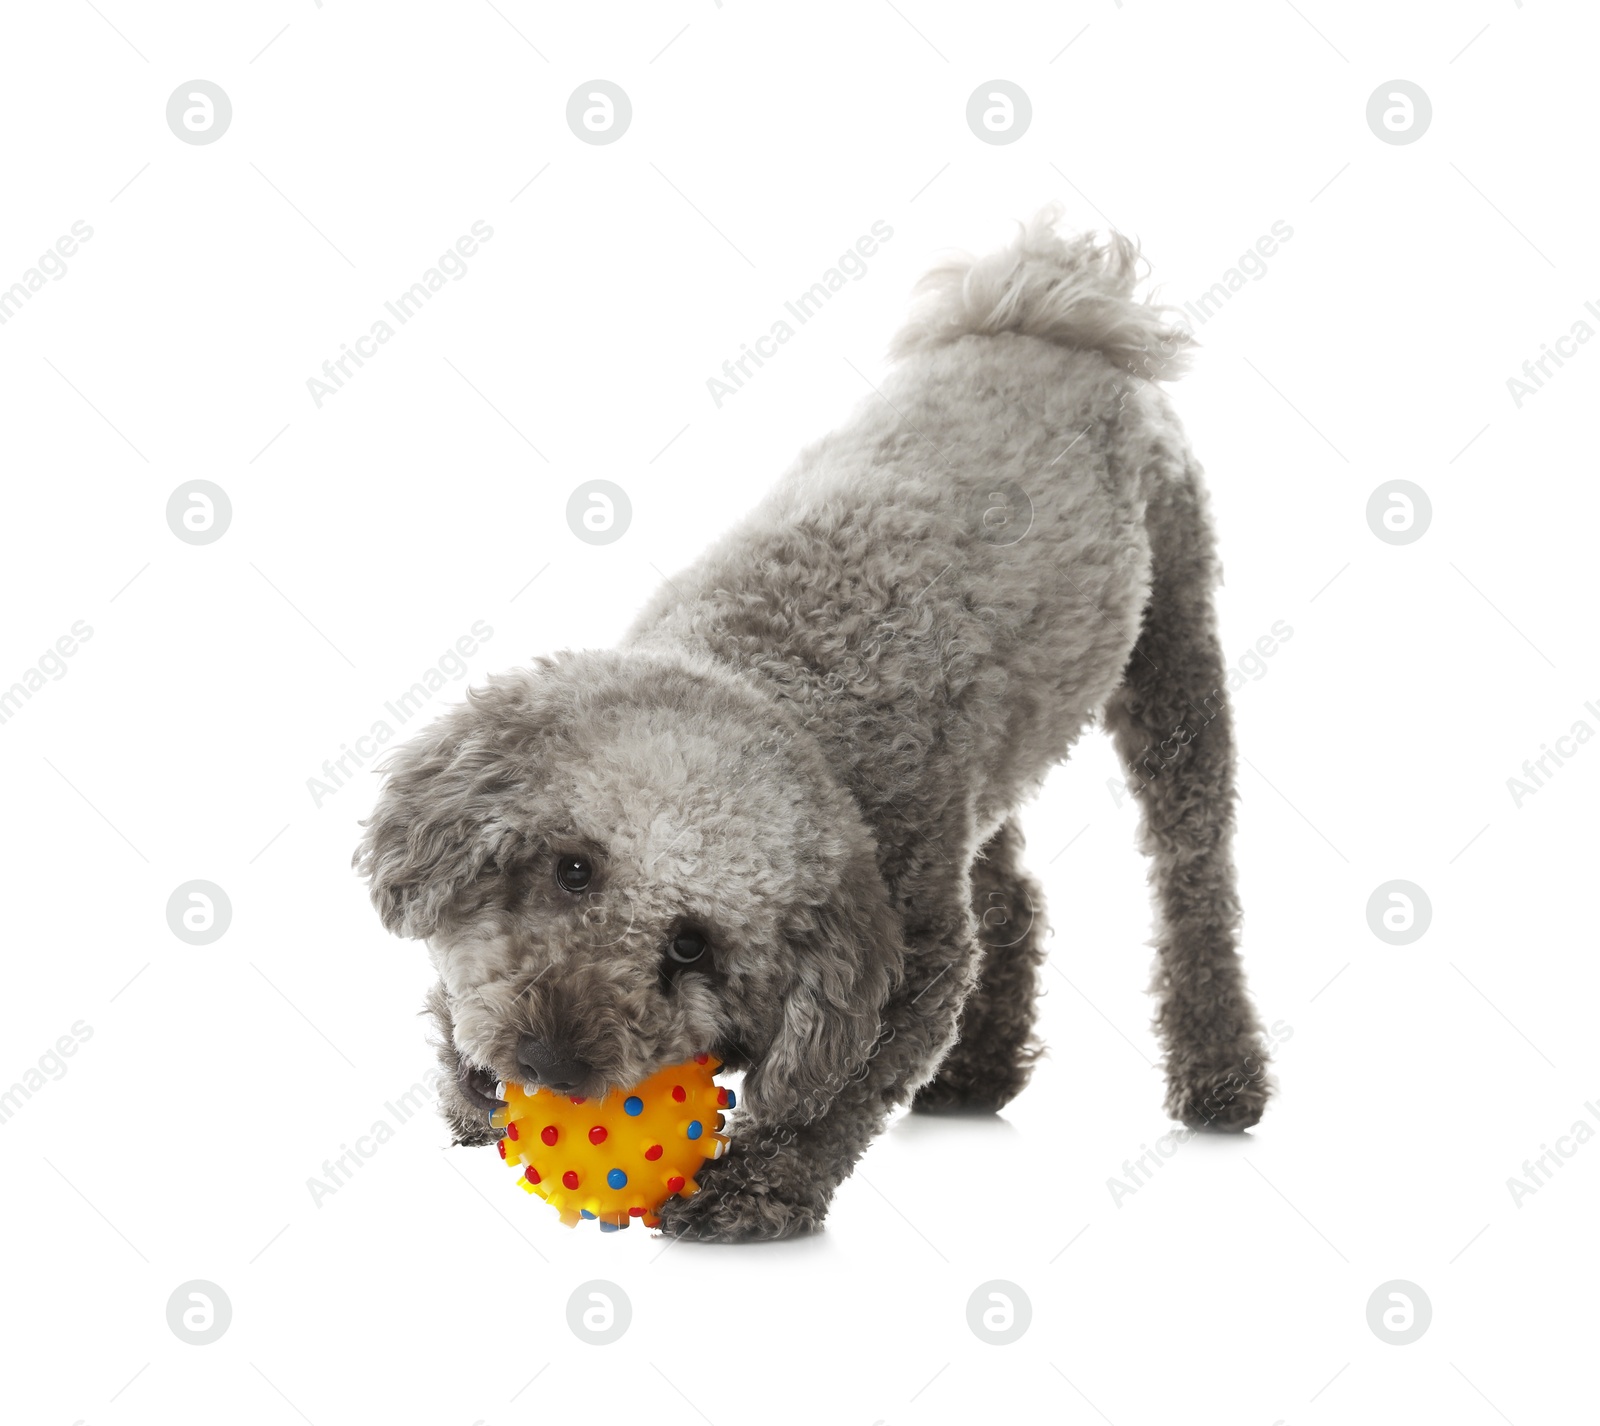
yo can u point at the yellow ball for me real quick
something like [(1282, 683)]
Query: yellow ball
[(620, 1157)]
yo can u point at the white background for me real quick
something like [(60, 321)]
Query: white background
[(368, 535)]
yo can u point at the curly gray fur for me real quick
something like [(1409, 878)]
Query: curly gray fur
[(811, 744)]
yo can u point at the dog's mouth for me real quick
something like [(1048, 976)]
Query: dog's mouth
[(478, 1088)]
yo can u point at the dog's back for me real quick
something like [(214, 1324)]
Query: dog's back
[(951, 583)]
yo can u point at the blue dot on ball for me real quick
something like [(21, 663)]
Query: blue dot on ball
[(584, 1212), (695, 1129), (733, 1100), (608, 1227), (633, 1105), (617, 1179)]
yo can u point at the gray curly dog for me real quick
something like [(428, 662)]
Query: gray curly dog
[(778, 823)]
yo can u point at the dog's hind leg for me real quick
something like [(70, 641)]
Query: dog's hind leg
[(1174, 731), (994, 1057)]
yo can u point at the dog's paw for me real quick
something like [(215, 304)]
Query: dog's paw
[(712, 1216), (465, 1104), (948, 1095), (741, 1201), (1228, 1100), (470, 1128)]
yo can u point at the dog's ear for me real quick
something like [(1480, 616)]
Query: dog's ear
[(847, 955), (436, 825)]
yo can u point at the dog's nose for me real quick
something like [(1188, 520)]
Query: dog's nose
[(548, 1065)]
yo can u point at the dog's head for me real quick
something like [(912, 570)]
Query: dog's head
[(619, 861)]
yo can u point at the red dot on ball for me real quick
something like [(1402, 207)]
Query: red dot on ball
[(722, 1096), (531, 1174), (701, 1059), (653, 1152), (597, 1135), (570, 1179), (636, 1212), (678, 1093), (501, 1145), (675, 1184), (549, 1133), (511, 1130)]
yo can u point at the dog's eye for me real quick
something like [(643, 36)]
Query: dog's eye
[(686, 947), (573, 873)]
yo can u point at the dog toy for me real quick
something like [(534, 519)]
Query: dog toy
[(621, 1157)]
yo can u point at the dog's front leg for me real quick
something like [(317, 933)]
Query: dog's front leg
[(779, 1173), (466, 1094)]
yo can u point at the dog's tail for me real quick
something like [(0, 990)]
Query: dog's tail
[(1077, 291)]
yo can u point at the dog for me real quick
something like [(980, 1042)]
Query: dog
[(778, 822)]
